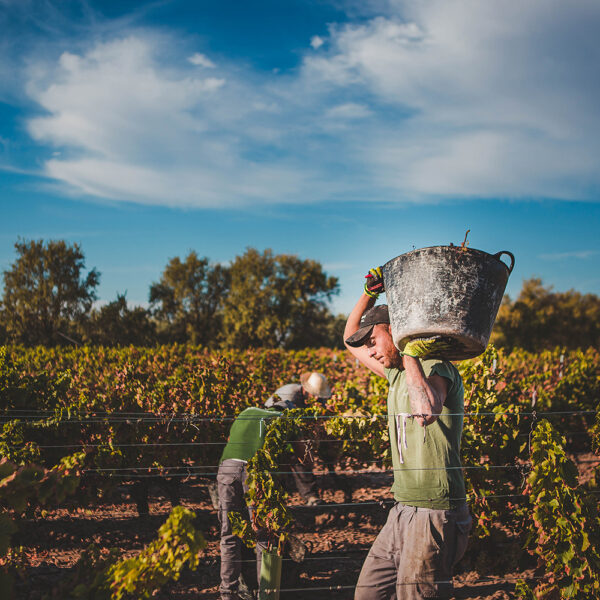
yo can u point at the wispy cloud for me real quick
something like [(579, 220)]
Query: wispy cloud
[(19, 171), (339, 266), (580, 255), (499, 98), (316, 42), (430, 100), (56, 235), (350, 110), (133, 128), (201, 60)]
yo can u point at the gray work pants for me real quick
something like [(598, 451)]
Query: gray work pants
[(413, 555), (231, 485)]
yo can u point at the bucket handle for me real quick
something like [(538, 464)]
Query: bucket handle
[(512, 259)]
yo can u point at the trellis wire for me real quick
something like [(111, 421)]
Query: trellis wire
[(128, 476), (356, 472), (385, 502), (223, 443), (182, 418), (341, 588), (306, 558)]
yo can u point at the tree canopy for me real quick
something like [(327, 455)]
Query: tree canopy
[(116, 324), (260, 299), (541, 318), (46, 293), (188, 300), (277, 301)]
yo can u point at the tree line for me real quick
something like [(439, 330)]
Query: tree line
[(260, 299), (540, 319)]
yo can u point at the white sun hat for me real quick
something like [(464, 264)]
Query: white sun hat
[(315, 384)]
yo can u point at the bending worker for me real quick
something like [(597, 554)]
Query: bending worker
[(427, 530), (246, 436)]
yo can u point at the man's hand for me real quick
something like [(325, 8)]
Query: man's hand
[(427, 347), (374, 284)]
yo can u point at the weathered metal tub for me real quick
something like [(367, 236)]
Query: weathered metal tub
[(449, 291)]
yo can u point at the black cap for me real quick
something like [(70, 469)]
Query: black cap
[(374, 316)]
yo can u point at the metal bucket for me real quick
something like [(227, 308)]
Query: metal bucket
[(449, 291)]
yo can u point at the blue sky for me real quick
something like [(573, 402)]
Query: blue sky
[(344, 131)]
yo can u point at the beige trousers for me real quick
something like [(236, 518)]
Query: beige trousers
[(414, 553)]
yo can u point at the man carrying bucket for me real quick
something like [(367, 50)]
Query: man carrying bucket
[(246, 437), (427, 530)]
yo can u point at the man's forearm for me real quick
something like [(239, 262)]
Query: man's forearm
[(352, 324), (425, 402)]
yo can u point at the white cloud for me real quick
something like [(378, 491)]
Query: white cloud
[(580, 255), (493, 98), (350, 110), (201, 60), (316, 42), (116, 101), (131, 128), (432, 99)]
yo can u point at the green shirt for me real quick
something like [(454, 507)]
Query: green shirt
[(426, 460), (247, 433)]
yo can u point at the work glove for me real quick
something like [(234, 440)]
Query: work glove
[(374, 283), (427, 347)]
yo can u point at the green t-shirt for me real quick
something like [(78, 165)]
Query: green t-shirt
[(247, 433), (426, 460)]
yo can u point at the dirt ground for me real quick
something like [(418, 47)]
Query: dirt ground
[(337, 539)]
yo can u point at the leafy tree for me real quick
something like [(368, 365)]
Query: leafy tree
[(45, 292), (277, 301), (188, 300), (115, 324), (540, 318), (333, 332)]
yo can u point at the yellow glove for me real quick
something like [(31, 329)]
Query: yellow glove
[(374, 283), (427, 347)]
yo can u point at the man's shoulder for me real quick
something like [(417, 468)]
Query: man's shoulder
[(444, 368), (289, 391), (256, 412), (438, 366)]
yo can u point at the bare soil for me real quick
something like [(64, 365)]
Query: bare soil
[(337, 539)]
